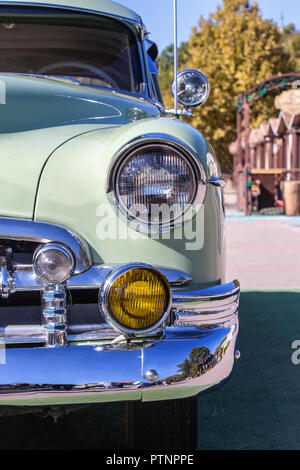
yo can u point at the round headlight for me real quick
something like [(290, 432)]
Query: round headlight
[(192, 88), (53, 263), (155, 184), (136, 299)]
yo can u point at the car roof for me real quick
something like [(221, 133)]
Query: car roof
[(107, 7)]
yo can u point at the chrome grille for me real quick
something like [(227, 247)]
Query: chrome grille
[(33, 314)]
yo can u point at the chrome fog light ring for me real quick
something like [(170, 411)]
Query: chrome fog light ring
[(105, 290), (59, 265)]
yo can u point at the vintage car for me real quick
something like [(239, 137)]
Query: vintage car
[(111, 216)]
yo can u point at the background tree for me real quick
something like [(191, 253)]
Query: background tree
[(166, 68), (236, 49), (291, 42)]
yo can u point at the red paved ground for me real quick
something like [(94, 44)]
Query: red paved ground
[(264, 252)]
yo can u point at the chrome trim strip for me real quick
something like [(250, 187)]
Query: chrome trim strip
[(144, 74), (40, 232), (220, 291), (22, 334), (91, 333), (7, 282), (218, 181), (211, 307), (28, 334), (175, 277), (26, 281)]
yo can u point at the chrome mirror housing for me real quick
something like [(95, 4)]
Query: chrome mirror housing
[(192, 88)]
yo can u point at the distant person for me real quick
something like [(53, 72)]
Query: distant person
[(256, 192)]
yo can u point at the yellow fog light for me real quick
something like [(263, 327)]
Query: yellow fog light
[(136, 299)]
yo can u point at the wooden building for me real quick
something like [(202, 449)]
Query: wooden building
[(274, 155)]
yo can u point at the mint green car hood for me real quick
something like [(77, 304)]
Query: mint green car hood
[(38, 115), (34, 102)]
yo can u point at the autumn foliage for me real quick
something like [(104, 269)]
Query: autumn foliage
[(236, 49)]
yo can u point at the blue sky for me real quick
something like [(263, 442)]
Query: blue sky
[(157, 15)]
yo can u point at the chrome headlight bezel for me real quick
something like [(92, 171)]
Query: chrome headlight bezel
[(163, 142)]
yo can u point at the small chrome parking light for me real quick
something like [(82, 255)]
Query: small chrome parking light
[(53, 263)]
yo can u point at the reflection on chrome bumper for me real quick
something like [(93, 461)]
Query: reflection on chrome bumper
[(194, 354)]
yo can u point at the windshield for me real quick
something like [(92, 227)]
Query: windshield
[(105, 54)]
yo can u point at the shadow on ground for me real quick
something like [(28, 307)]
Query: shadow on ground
[(258, 409)]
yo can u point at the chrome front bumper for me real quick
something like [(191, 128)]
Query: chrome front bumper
[(193, 354), (55, 361)]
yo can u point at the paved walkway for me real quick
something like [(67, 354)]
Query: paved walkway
[(263, 252)]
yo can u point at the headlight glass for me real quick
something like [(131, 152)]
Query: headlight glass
[(155, 184), (53, 263), (138, 299)]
